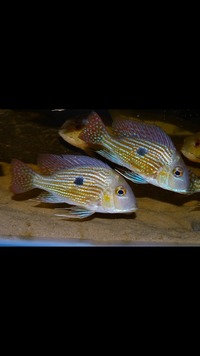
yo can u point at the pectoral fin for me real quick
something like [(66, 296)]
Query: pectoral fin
[(134, 177), (111, 157)]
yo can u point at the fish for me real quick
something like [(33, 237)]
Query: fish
[(173, 126), (191, 147), (194, 186), (87, 184), (70, 131), (146, 150)]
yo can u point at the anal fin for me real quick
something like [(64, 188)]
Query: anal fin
[(76, 213)]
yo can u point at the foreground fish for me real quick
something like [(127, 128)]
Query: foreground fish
[(146, 150), (191, 147), (87, 183)]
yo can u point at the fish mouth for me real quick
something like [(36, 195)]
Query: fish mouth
[(189, 155), (128, 211)]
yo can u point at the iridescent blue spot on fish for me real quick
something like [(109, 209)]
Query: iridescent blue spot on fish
[(142, 151), (78, 181)]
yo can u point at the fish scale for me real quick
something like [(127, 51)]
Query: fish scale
[(127, 149), (89, 191), (92, 187), (151, 133), (144, 149)]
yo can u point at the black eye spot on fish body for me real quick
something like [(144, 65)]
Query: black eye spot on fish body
[(142, 151), (78, 181)]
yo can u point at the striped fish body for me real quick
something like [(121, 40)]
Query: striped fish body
[(93, 186), (79, 186), (143, 157), (144, 149)]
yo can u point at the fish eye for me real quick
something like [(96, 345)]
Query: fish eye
[(197, 144), (178, 172), (120, 191)]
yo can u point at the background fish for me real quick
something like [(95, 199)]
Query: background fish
[(70, 131), (84, 182), (194, 186), (191, 147), (146, 150)]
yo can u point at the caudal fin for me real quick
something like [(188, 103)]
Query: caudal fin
[(22, 177), (94, 131)]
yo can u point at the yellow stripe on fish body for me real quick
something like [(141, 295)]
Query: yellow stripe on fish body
[(142, 148), (66, 184), (143, 157), (135, 153), (91, 187)]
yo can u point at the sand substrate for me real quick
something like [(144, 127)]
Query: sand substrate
[(163, 218)]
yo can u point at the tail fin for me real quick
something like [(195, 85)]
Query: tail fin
[(94, 131), (22, 177)]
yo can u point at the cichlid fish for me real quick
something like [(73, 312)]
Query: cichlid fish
[(191, 147), (171, 124), (146, 150), (70, 131), (84, 182), (194, 186)]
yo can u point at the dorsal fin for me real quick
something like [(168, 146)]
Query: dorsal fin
[(50, 163), (141, 130), (94, 131)]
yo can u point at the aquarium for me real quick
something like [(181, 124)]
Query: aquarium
[(141, 167)]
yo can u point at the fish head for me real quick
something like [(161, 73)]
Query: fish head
[(174, 177), (119, 198), (71, 130), (191, 147)]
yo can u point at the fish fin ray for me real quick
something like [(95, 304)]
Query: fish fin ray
[(94, 131), (111, 157), (22, 177), (134, 177), (50, 163), (141, 130), (76, 213)]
